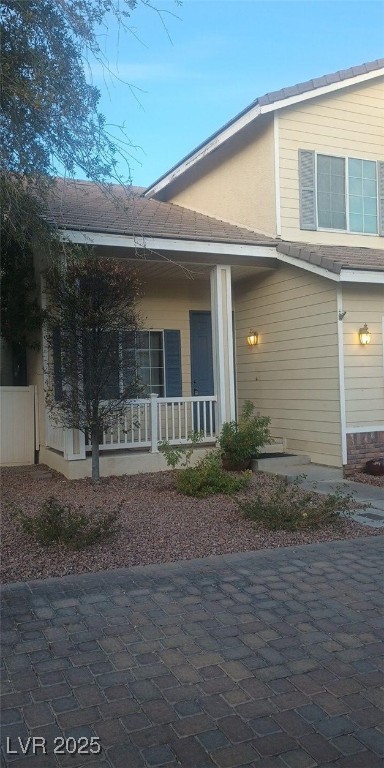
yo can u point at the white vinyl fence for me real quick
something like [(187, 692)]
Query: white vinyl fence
[(18, 436)]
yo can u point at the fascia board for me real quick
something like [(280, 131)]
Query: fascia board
[(204, 150), (167, 244), (307, 266), (362, 276), (247, 118), (158, 244)]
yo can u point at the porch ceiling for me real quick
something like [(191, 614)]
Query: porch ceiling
[(176, 266)]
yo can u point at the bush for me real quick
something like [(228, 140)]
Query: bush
[(174, 454), (290, 508), (73, 528), (241, 440), (208, 477)]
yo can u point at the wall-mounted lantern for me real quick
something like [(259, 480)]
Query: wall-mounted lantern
[(364, 335), (252, 338)]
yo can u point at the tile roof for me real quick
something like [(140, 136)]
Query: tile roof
[(276, 96), (82, 205), (334, 258), (318, 82)]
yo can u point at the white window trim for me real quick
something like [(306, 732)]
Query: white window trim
[(347, 231), (153, 330), (120, 345)]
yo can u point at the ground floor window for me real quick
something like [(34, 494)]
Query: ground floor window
[(142, 362), (142, 354)]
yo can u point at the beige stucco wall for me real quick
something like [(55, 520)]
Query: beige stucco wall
[(119, 463), (167, 305), (236, 182), (348, 123), (292, 375), (363, 366)]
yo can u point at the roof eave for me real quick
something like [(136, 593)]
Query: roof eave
[(243, 119), (157, 243), (372, 276)]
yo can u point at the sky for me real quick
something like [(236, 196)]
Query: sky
[(190, 71)]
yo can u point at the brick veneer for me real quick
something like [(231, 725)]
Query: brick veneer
[(361, 447)]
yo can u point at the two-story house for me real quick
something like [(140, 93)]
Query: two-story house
[(262, 259)]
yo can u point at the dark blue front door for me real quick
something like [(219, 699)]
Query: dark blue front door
[(201, 362)]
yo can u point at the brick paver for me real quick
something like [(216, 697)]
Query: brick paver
[(258, 659)]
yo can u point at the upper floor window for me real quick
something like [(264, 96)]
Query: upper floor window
[(331, 192), (339, 193), (362, 196)]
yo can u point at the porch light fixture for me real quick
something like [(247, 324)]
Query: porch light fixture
[(364, 335), (252, 338)]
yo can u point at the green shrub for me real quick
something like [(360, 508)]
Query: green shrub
[(208, 477), (291, 508), (174, 454), (58, 522), (241, 440)]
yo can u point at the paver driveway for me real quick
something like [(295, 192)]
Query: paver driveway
[(267, 659)]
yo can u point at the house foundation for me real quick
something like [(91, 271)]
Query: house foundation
[(361, 447)]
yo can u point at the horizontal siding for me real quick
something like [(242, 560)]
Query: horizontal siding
[(364, 366), (346, 123), (292, 375), (167, 305)]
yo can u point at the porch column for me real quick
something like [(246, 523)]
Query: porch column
[(222, 343), (74, 444)]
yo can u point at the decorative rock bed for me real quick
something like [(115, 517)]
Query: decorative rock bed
[(158, 524)]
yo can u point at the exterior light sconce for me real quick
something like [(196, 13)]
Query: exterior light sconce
[(364, 335), (252, 338)]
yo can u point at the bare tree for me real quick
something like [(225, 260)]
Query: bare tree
[(50, 125), (92, 319)]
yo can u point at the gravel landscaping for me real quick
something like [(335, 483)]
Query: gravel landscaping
[(157, 524), (364, 477)]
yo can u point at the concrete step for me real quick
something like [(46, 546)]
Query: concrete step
[(276, 447), (279, 464)]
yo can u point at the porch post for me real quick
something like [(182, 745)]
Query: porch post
[(153, 418), (68, 443), (222, 343), (74, 444)]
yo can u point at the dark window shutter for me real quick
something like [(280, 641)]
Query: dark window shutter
[(380, 173), (307, 184), (172, 357), (110, 365), (57, 372)]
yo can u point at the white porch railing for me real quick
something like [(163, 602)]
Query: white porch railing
[(144, 423), (54, 434), (177, 417)]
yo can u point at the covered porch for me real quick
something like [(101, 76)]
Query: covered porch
[(188, 321)]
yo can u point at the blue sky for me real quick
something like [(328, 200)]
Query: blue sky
[(221, 56)]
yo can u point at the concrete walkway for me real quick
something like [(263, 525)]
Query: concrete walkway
[(328, 479), (265, 659)]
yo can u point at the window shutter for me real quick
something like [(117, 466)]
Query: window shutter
[(57, 373), (380, 172), (110, 368), (307, 185), (172, 357)]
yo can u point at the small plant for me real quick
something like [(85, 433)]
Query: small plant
[(241, 440), (291, 508), (180, 454), (71, 527), (208, 477)]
